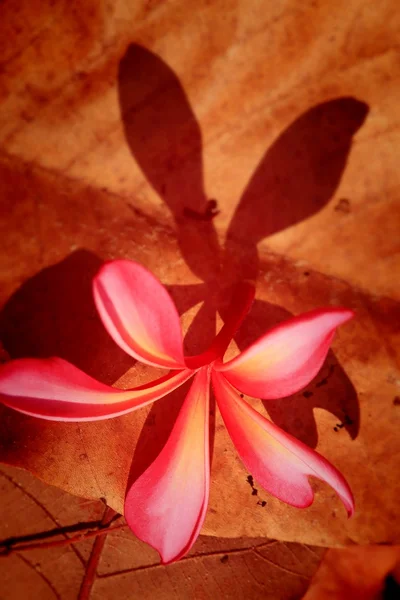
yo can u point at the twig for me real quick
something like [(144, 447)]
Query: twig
[(91, 568), (18, 547)]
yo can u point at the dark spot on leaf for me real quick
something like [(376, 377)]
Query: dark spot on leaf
[(212, 205), (210, 212), (343, 206), (325, 380), (254, 490), (396, 400), (224, 558), (250, 480), (307, 394), (306, 273)]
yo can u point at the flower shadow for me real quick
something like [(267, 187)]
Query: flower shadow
[(296, 178), (53, 314)]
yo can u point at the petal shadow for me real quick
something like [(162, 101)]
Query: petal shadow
[(295, 179), (165, 140), (53, 314)]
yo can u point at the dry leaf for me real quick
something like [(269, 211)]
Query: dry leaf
[(102, 158), (361, 573), (244, 568), (29, 508), (126, 567)]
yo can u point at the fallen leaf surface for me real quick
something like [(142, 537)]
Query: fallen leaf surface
[(29, 508), (126, 567), (112, 147), (362, 573)]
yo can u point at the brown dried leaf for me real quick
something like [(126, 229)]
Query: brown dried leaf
[(102, 158), (241, 568), (245, 568), (359, 572), (29, 507)]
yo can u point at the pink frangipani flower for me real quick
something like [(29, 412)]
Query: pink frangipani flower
[(141, 317)]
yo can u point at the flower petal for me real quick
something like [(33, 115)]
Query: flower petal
[(278, 461), (54, 389), (287, 357), (166, 506), (139, 314)]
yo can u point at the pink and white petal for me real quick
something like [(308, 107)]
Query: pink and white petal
[(167, 505), (287, 357), (139, 314), (280, 463), (54, 389)]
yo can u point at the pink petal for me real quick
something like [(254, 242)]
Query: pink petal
[(54, 389), (139, 314), (287, 357), (278, 461), (166, 506)]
